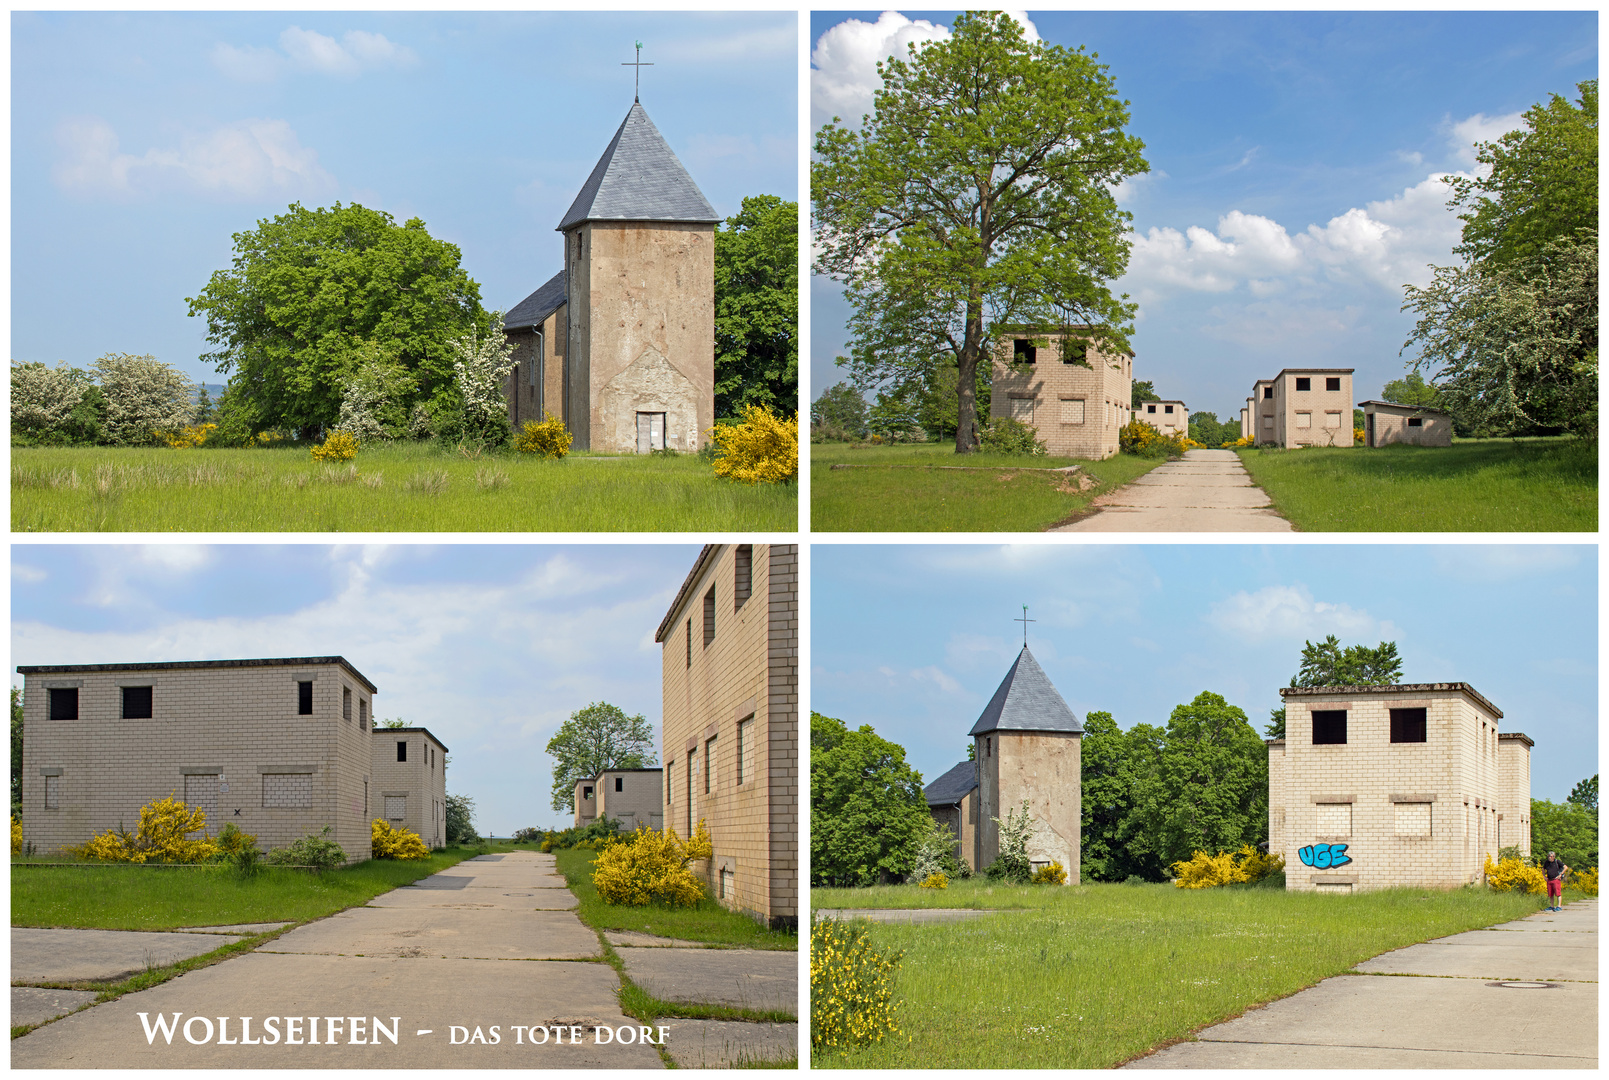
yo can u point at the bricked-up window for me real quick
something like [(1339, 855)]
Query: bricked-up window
[(1329, 727), (64, 703), (742, 574), (745, 750), (1412, 819), (709, 617), (136, 703), (292, 791), (1304, 384), (396, 807), (402, 749), (1332, 383), (1334, 819), (1072, 410), (620, 783), (1023, 351), (304, 699), (709, 766), (346, 703), (1407, 725), (52, 793)]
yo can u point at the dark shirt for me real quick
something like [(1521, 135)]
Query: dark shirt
[(1553, 868)]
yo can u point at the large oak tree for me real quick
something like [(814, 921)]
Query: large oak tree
[(978, 194)]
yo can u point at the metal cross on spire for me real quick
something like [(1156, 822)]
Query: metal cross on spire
[(1025, 620), (636, 90)]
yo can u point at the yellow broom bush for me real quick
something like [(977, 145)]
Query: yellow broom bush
[(1514, 875), (339, 446), (1204, 871), (1585, 881), (186, 438), (763, 449), (388, 843), (651, 868), (851, 986), (938, 879), (550, 438), (163, 836), (16, 836), (1053, 874)]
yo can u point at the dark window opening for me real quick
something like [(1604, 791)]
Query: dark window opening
[(1332, 384), (689, 642), (742, 574), (1329, 727), (64, 703), (709, 616), (1150, 408), (620, 783), (1268, 393), (1075, 352), (1408, 725), (1304, 384), (136, 703), (304, 699), (346, 704), (586, 791), (1023, 351), (363, 713), (1168, 409), (402, 751), (1416, 421)]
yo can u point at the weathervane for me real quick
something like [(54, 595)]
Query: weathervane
[(636, 90), (1025, 620)]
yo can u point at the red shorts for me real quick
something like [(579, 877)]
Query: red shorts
[(1556, 887)]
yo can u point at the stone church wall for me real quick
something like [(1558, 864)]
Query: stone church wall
[(1045, 768), (526, 400)]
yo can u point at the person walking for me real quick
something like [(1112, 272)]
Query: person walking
[(1555, 870)]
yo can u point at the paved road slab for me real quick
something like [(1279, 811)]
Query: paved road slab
[(101, 955), (473, 933), (34, 1005), (427, 995), (236, 928), (507, 899), (1482, 958), (649, 941), (744, 978), (1207, 491), (723, 1044), (907, 915)]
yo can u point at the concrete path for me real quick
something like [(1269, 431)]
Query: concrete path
[(1209, 491), (762, 980), (101, 955), (1521, 995)]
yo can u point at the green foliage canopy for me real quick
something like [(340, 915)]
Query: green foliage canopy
[(1585, 793), (1328, 664), (757, 307), (598, 737), (1114, 763), (1412, 390), (978, 193), (460, 819), (310, 288), (867, 812), (1567, 828), (839, 411), (1141, 391)]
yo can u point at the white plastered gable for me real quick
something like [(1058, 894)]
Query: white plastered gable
[(652, 385)]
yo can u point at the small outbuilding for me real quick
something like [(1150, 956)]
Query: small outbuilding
[(952, 799), (1386, 422)]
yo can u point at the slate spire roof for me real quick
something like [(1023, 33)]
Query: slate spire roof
[(639, 178), (1026, 701)]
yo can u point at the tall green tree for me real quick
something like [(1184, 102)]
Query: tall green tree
[(1141, 391), (1585, 793), (1328, 664), (1210, 788), (459, 820), (1412, 389), (978, 194), (1115, 766), (1567, 828), (840, 410), (306, 292), (757, 307), (867, 812), (598, 737)]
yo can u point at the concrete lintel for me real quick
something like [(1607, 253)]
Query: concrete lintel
[(1411, 798), (283, 770), (1335, 798)]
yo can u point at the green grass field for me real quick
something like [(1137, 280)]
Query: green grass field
[(1477, 485), (1091, 976), (114, 897), (395, 488), (911, 489)]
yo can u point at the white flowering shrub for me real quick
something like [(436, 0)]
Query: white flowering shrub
[(42, 398), (373, 406), (482, 363), (144, 396)]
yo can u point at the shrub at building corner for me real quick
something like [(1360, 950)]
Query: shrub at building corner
[(16, 836), (1051, 874), (1515, 875), (163, 836), (550, 438), (314, 850), (388, 843), (851, 986), (651, 868), (763, 449), (1007, 436)]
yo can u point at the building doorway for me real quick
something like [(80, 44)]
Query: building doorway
[(650, 431)]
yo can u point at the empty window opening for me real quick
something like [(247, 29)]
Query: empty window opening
[(1150, 408), (1268, 393), (402, 750), (1304, 384), (689, 642), (620, 783), (363, 713), (64, 703), (709, 617), (304, 699), (1332, 383), (709, 766), (742, 574), (1329, 727), (52, 793), (670, 783), (726, 882), (346, 703), (1416, 421), (1168, 409), (136, 703), (586, 791), (1075, 352), (1408, 725), (1023, 351)]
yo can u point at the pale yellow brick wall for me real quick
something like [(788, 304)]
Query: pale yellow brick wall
[(1514, 807), (236, 723), (421, 781), (1077, 410), (639, 800), (1328, 412), (745, 673), (1372, 795)]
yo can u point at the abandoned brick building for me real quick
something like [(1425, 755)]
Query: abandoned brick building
[(1300, 407), (1072, 392)]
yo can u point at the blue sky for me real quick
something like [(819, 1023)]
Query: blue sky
[(491, 647), (1295, 163), (913, 640), (142, 142)]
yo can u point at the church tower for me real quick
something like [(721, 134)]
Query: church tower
[(639, 269), (1028, 746)]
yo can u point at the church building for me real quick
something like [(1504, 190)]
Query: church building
[(620, 343)]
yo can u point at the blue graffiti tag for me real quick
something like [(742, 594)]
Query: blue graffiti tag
[(1324, 856)]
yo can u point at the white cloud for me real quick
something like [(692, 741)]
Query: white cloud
[(1287, 612), (175, 558), (937, 678), (247, 159), (1462, 135), (357, 52), (30, 574)]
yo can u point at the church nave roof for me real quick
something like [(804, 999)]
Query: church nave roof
[(639, 178)]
